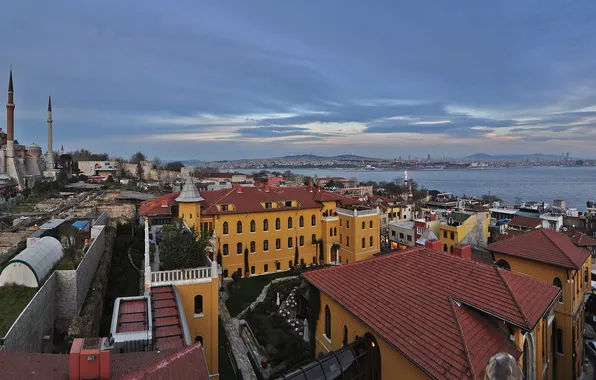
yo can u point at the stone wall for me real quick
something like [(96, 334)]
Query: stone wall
[(36, 320), (101, 219), (118, 213)]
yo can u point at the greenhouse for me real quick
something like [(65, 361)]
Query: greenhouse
[(33, 265)]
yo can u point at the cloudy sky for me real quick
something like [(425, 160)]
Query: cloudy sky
[(231, 79)]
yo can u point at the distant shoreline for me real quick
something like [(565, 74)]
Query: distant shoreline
[(281, 168)]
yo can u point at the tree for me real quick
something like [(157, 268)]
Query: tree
[(321, 253), (307, 180), (137, 158), (140, 171), (85, 155), (182, 248), (246, 265), (296, 256), (489, 198), (175, 166), (72, 241)]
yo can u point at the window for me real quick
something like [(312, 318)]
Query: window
[(239, 227), (331, 232), (347, 241), (314, 239), (239, 248), (313, 220), (371, 241), (370, 224), (265, 225), (314, 259), (327, 322), (586, 276), (340, 222), (253, 247), (290, 242), (334, 231), (290, 223), (266, 268), (409, 237), (392, 233), (277, 224), (347, 224), (557, 282), (451, 249), (267, 204), (265, 245), (253, 226), (503, 264), (225, 250), (345, 340), (560, 341), (225, 273), (363, 225), (419, 230), (445, 234), (444, 247), (401, 236), (239, 271), (199, 339), (252, 270), (452, 236), (277, 265), (301, 262), (363, 243), (224, 207), (198, 304), (277, 243), (225, 228), (301, 241), (341, 239), (301, 221), (288, 203), (190, 216), (290, 264)]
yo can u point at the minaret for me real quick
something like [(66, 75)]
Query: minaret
[(61, 149), (10, 118), (50, 157)]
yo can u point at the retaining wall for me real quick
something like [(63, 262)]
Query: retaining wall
[(118, 213)]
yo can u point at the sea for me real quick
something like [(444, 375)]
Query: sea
[(575, 185)]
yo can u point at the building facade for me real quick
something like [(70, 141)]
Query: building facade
[(460, 228), (553, 258)]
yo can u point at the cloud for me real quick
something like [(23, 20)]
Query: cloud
[(222, 80)]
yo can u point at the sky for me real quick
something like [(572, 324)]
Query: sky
[(213, 80)]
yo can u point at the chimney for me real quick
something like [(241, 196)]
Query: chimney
[(435, 245), (432, 217), (464, 252), (267, 188), (164, 203), (310, 186), (239, 189), (90, 359)]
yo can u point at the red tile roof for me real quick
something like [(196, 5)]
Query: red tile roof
[(545, 246), (167, 330), (414, 313), (525, 221), (155, 206), (508, 234), (188, 363), (582, 240)]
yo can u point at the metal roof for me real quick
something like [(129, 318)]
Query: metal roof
[(189, 193), (51, 224), (40, 258), (80, 224)]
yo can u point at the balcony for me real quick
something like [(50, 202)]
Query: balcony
[(182, 276), (329, 216), (357, 212)]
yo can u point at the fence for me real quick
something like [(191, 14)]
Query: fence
[(170, 276)]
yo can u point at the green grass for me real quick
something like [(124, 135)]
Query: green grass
[(13, 300), (226, 370), (246, 290)]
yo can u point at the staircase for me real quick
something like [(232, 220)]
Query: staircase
[(167, 328)]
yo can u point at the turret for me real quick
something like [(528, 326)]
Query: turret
[(189, 204)]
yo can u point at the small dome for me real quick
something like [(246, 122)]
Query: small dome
[(33, 145)]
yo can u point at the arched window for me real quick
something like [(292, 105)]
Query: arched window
[(252, 247), (313, 220), (252, 270), (301, 221), (290, 242), (190, 216), (444, 247), (239, 227), (363, 225), (253, 226), (345, 340), (503, 264), (557, 282), (225, 250), (529, 357), (265, 225), (225, 228), (239, 248), (363, 243), (314, 238), (198, 304), (265, 245), (452, 235), (301, 241), (371, 241), (327, 322), (277, 224), (199, 339), (334, 231), (278, 243), (451, 249), (289, 222), (371, 224), (331, 232)]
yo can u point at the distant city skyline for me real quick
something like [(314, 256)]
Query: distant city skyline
[(258, 79)]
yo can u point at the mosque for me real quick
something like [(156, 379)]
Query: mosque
[(24, 164)]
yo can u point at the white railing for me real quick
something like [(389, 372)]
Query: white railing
[(330, 218), (180, 275), (355, 212)]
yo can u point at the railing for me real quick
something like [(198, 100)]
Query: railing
[(186, 275), (355, 212)]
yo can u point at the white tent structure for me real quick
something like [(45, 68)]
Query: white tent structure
[(31, 267)]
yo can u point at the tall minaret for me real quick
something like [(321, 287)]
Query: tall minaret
[(10, 118), (50, 157)]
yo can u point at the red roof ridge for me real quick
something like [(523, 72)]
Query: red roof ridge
[(558, 246), (164, 362), (220, 198), (461, 336), (517, 304)]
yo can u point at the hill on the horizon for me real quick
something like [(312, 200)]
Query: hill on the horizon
[(532, 156), (342, 157)]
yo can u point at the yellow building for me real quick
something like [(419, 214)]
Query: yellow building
[(269, 225), (554, 258), (432, 315), (463, 228)]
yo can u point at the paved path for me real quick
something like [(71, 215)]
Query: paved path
[(239, 349)]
